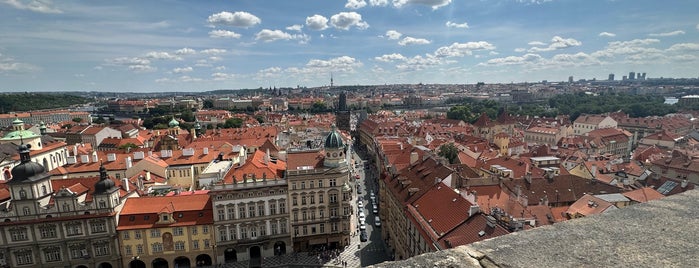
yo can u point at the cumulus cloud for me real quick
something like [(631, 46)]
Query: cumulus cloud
[(345, 20), (342, 64), (378, 3), (520, 50), (513, 60), (419, 62), (136, 64), (218, 76), (413, 41), (673, 33), (557, 42), (355, 4), (607, 34), (40, 6), (457, 25), (390, 57), (295, 27), (184, 78), (317, 22), (267, 35), (697, 26), (271, 72), (684, 47), (161, 55), (237, 19), (435, 4), (185, 51), (213, 51), (182, 70), (463, 49), (536, 43), (8, 65), (223, 34), (393, 35)]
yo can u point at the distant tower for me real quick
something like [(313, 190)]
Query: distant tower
[(342, 115), (331, 80), (342, 102), (632, 75), (611, 77), (643, 76), (570, 79)]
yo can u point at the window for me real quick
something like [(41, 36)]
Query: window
[(282, 207), (194, 230), (320, 198), (137, 234), (346, 211), (303, 200), (179, 245), (66, 207), (293, 186), (304, 216), (296, 216), (333, 182), (74, 229), (334, 227), (322, 228), (164, 217), (312, 199), (321, 213), (243, 232), (103, 204), (77, 251), (52, 254), (178, 231), (261, 209), (157, 247), (313, 230), (311, 184), (24, 257), (43, 189), (221, 215), (305, 230), (125, 235), (320, 184), (98, 227), (303, 185), (154, 233), (345, 196), (296, 231), (139, 249), (272, 208), (253, 231), (127, 250), (241, 211), (102, 249), (223, 234), (294, 201), (251, 210), (47, 231), (207, 244), (22, 194), (333, 212), (231, 212), (26, 211), (333, 198), (195, 244), (205, 229), (274, 228)]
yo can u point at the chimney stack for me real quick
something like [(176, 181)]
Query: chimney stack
[(594, 170), (413, 158), (684, 183), (125, 183)]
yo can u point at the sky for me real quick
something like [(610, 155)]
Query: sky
[(194, 46)]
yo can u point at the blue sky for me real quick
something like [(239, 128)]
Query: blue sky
[(144, 46)]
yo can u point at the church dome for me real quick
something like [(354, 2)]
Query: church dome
[(334, 139), (105, 184), (26, 169), (173, 123)]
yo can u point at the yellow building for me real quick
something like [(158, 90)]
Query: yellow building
[(167, 231)]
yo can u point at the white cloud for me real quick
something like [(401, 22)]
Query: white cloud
[(343, 63), (267, 35), (607, 34), (673, 33), (684, 47), (223, 76), (463, 49), (520, 50), (557, 42), (435, 4), (128, 61), (223, 34), (185, 51), (378, 3), (345, 20), (355, 4), (317, 22), (142, 68), (215, 58), (413, 41), (513, 60), (419, 62), (213, 51), (536, 43), (161, 55), (184, 78), (390, 57), (697, 26), (272, 72), (220, 68), (457, 25), (40, 6), (182, 70), (295, 27), (533, 1), (237, 19), (8, 64), (393, 35)]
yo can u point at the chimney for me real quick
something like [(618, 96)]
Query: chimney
[(125, 183), (220, 156), (684, 183), (139, 183), (147, 175), (594, 170), (528, 178), (413, 158), (129, 164), (75, 149), (267, 157), (473, 210), (95, 159)]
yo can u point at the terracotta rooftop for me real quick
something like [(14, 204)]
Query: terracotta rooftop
[(187, 210)]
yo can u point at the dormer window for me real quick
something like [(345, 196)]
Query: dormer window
[(22, 194)]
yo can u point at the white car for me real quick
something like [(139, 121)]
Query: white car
[(362, 217), (377, 221), (375, 209), (360, 203), (362, 226)]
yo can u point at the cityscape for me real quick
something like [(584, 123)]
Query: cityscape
[(348, 134)]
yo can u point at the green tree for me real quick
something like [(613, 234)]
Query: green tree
[(77, 120), (208, 104), (260, 119), (449, 151), (233, 123), (127, 145), (99, 120), (461, 112)]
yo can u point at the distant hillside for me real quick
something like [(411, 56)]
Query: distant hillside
[(19, 102)]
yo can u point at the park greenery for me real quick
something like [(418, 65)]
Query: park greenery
[(449, 151), (20, 102)]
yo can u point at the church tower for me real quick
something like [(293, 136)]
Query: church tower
[(334, 149), (30, 186), (106, 194)]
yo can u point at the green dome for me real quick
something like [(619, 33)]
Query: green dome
[(173, 123), (334, 139), (14, 135)]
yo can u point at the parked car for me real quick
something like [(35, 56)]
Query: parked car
[(362, 226), (377, 221), (375, 209), (363, 236), (362, 217)]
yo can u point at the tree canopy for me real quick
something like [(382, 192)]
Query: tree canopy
[(449, 151)]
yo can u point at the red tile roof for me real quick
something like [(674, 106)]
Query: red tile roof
[(305, 159), (187, 210), (588, 205), (470, 232), (643, 195), (442, 208)]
